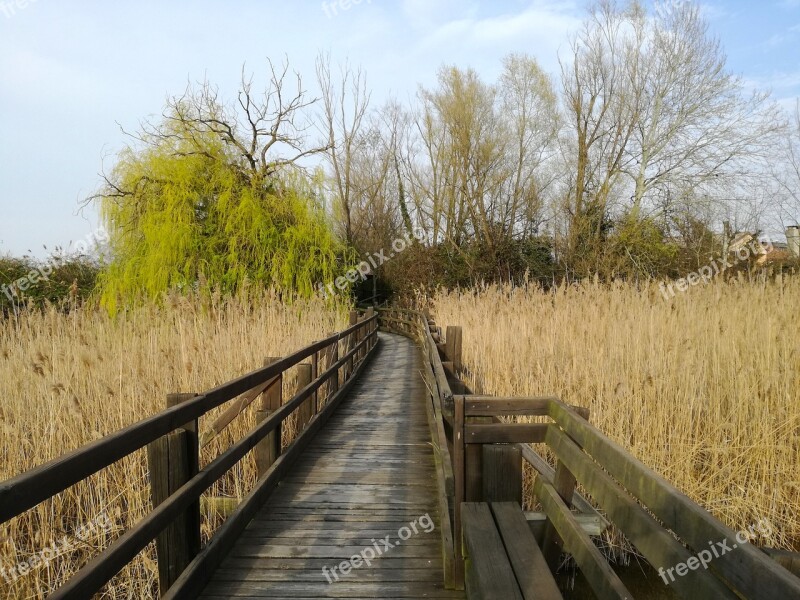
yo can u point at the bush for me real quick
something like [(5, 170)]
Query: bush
[(61, 281)]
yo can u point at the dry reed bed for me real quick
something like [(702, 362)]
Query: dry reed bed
[(704, 388), (66, 380)]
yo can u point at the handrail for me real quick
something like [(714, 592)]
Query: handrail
[(692, 523), (25, 491)]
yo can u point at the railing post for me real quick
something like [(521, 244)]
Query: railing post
[(359, 337), (312, 407), (459, 481), (269, 449), (350, 344), (306, 409), (333, 357), (453, 339), (369, 329), (173, 460)]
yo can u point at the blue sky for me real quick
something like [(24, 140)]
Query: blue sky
[(70, 71)]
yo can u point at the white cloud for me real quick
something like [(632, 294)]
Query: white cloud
[(424, 14), (539, 30)]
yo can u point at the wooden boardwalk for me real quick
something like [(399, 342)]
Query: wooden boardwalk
[(368, 474)]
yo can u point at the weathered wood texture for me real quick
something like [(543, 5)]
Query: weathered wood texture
[(488, 572), (366, 475), (269, 449), (534, 578), (173, 460), (502, 473)]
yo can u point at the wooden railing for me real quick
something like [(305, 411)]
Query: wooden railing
[(479, 448), (175, 430)]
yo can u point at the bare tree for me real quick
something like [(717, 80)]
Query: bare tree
[(658, 122), (344, 109), (263, 132), (695, 125), (480, 177), (601, 110), (528, 106), (787, 175)]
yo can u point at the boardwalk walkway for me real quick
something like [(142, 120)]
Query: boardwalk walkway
[(367, 475)]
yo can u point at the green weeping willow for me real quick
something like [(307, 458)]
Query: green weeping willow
[(186, 214)]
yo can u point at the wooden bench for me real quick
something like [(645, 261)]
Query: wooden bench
[(502, 559)]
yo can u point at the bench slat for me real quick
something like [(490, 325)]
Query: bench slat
[(488, 573), (527, 560)]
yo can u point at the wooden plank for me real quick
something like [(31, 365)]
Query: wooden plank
[(746, 569), (279, 566), (530, 568), (444, 471), (785, 558), (505, 433), (502, 473), (341, 589), (488, 571), (592, 525), (564, 483), (604, 581), (659, 546), (489, 406), (445, 393), (424, 574), (440, 439)]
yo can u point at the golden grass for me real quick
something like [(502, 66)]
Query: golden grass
[(704, 388), (66, 380)]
